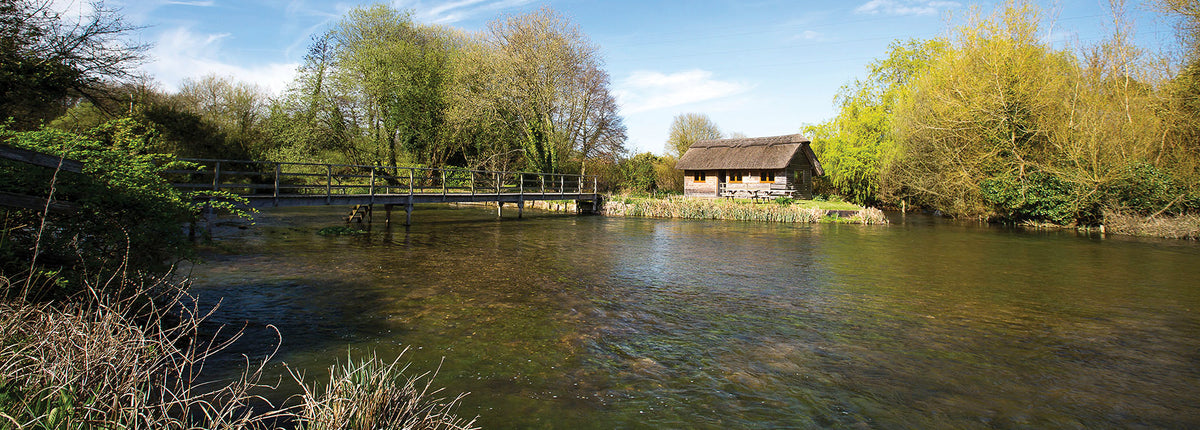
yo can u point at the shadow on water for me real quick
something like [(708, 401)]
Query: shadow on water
[(559, 321)]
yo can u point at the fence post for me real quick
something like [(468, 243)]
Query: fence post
[(595, 185), (443, 183), (372, 188), (328, 184), (217, 177), (497, 185), (410, 185), (542, 176), (276, 193), (562, 185), (472, 182)]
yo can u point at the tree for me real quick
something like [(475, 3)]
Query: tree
[(688, 128), (539, 74), (46, 63), (236, 109), (855, 146)]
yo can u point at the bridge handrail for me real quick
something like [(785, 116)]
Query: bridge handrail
[(363, 166), (479, 182)]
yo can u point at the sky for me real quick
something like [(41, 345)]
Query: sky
[(756, 67)]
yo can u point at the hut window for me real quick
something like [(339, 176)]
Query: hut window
[(735, 177), (766, 176), (698, 177)]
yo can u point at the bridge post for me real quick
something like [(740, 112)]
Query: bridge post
[(408, 208), (275, 195), (372, 188), (328, 184), (443, 184)]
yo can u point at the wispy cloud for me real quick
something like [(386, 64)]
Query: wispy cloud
[(905, 7), (809, 35), (647, 90), (199, 3), (446, 12), (181, 54)]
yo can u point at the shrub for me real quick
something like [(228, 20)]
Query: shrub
[(123, 202), (1147, 190), (1038, 196)]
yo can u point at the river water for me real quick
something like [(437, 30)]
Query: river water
[(558, 321)]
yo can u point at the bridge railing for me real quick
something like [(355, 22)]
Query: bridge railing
[(261, 178)]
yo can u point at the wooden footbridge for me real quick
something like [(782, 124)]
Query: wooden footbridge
[(273, 184)]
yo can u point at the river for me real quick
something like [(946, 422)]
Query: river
[(559, 321)]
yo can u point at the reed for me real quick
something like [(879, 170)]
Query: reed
[(725, 209), (1172, 227), (116, 364), (374, 394)]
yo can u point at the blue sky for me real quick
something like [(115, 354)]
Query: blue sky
[(759, 67)]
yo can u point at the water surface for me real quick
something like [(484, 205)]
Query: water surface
[(557, 321)]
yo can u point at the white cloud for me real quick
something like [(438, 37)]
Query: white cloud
[(905, 7), (445, 12), (181, 54), (809, 35), (646, 90)]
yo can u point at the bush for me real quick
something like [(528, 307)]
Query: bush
[(123, 204), (1038, 196), (1146, 190)]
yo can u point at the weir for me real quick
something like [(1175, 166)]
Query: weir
[(275, 184)]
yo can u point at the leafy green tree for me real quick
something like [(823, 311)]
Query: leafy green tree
[(854, 147), (688, 128)]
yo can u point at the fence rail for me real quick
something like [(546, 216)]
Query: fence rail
[(307, 183)]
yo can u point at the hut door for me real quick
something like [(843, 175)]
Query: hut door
[(720, 181)]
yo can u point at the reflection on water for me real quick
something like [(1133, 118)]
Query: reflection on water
[(589, 322)]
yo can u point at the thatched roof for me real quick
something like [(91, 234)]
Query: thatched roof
[(775, 152)]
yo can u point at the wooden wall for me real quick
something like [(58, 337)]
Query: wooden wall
[(708, 188)]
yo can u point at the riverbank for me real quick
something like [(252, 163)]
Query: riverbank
[(792, 211)]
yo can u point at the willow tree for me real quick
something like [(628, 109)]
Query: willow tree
[(856, 145), (980, 110)]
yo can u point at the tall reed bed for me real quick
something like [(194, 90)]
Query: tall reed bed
[(1172, 227), (726, 209)]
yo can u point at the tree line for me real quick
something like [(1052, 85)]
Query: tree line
[(993, 122), (529, 92)]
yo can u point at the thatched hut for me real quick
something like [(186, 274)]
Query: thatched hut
[(760, 167)]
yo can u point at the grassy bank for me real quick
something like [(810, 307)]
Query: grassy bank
[(783, 210)]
